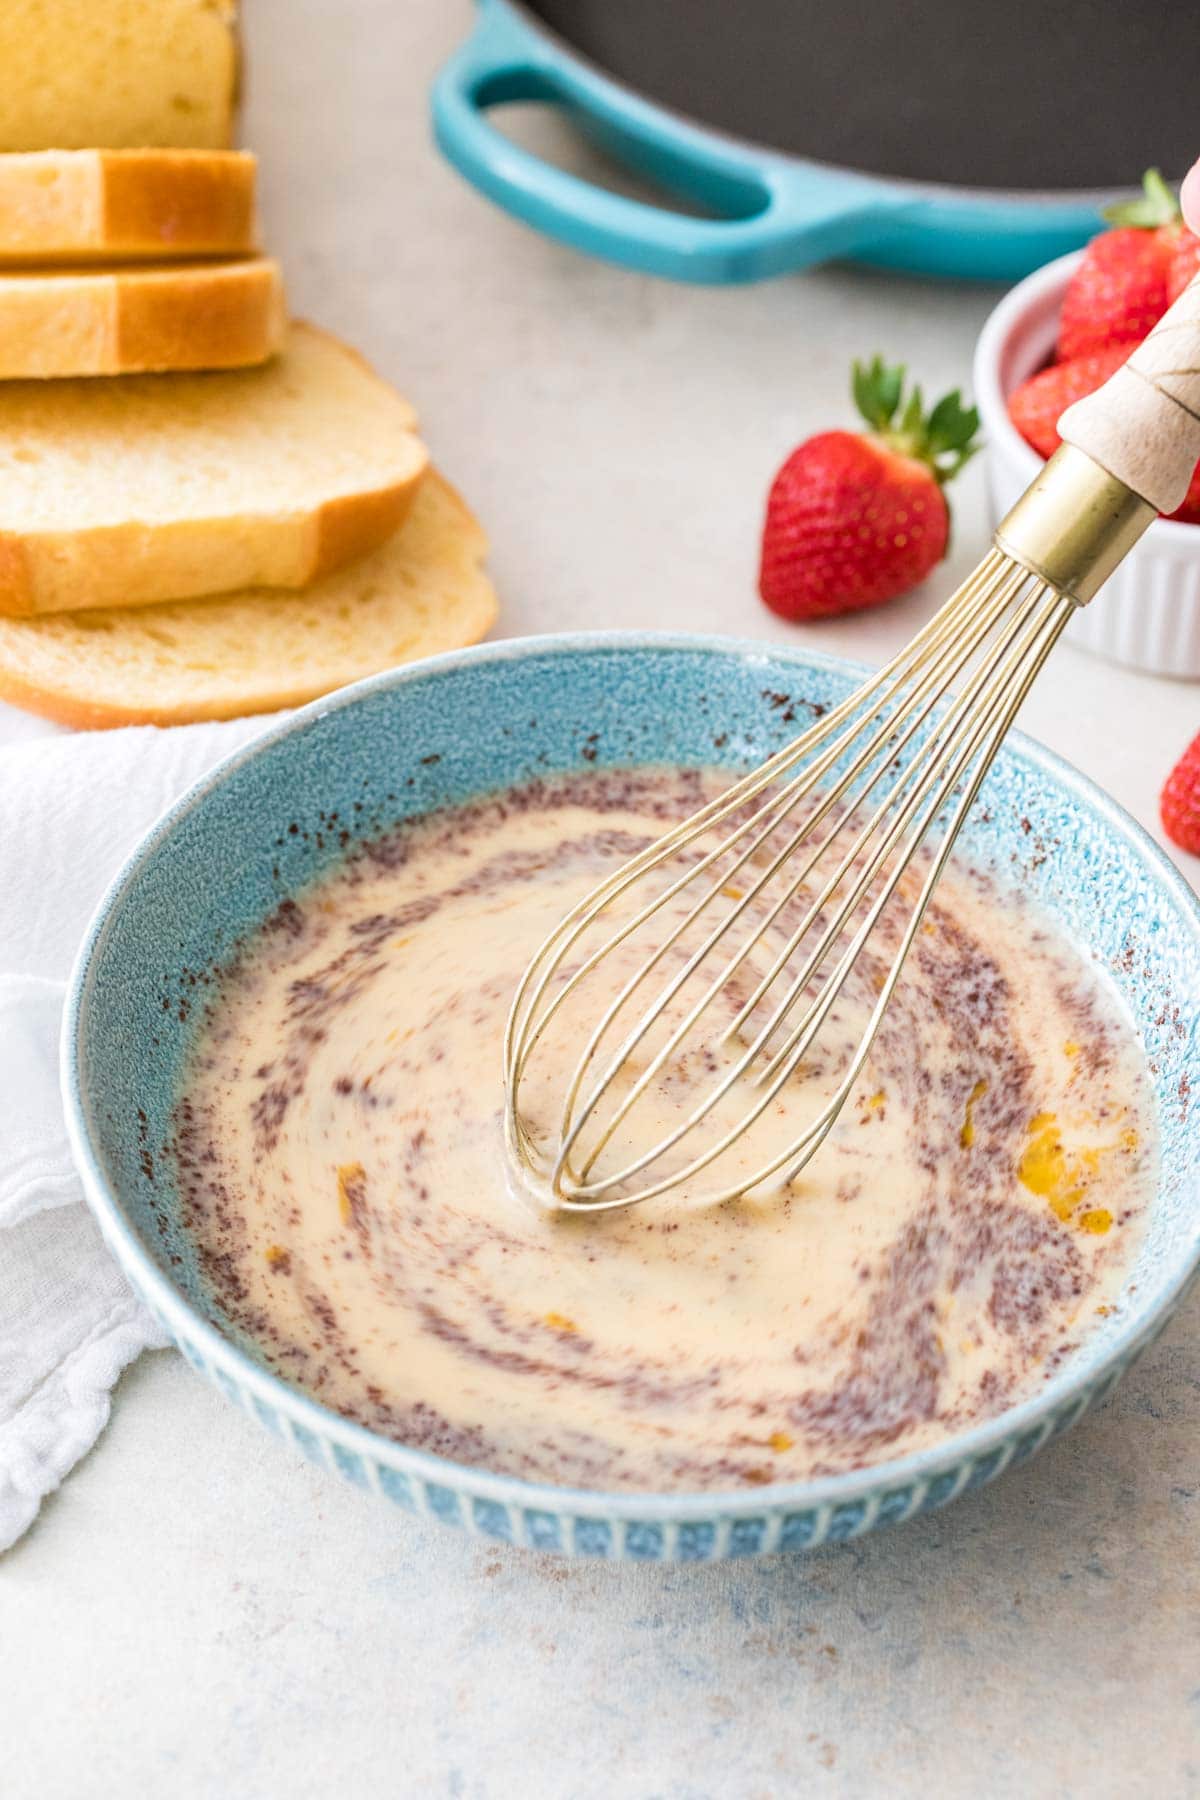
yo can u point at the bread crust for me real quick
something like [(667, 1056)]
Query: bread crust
[(353, 524), (77, 207), (447, 542)]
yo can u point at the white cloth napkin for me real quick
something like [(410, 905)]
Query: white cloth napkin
[(71, 808)]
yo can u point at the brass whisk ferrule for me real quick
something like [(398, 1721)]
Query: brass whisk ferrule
[(1074, 524)]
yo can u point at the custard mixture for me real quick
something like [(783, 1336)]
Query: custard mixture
[(338, 1146)]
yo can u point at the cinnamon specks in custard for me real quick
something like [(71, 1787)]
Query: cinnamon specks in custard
[(337, 1153)]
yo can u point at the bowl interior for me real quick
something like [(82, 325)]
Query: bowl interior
[(1017, 340), (282, 811), (1029, 345)]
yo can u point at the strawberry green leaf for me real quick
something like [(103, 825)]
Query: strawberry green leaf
[(1156, 205), (913, 416), (877, 391), (951, 425), (944, 439)]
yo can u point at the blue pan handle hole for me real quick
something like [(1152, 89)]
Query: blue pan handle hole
[(527, 108)]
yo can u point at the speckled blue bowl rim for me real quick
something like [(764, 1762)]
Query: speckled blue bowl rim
[(1076, 1380)]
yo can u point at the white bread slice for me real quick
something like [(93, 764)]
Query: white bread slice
[(99, 74), (79, 206), (160, 487), (423, 591), (139, 318)]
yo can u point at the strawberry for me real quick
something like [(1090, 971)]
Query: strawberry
[(1119, 289), (1037, 405), (855, 518), (1179, 804), (1184, 264)]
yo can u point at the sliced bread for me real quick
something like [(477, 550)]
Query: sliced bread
[(423, 591), (84, 74), (160, 487), (138, 318), (71, 206)]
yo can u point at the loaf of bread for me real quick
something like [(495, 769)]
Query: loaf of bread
[(423, 591), (82, 206), (148, 487), (139, 317), (102, 74)]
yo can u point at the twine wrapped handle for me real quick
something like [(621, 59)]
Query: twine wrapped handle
[(1143, 425)]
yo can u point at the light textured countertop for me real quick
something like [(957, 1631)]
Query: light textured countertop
[(197, 1613)]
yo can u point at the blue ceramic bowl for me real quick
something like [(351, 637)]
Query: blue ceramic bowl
[(252, 831)]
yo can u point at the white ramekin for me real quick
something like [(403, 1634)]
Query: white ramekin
[(1148, 614)]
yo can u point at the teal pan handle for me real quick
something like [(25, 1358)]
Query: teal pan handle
[(772, 213), (768, 220)]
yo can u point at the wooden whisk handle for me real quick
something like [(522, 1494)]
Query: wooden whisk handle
[(1143, 425)]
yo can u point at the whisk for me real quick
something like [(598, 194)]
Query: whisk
[(726, 947)]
